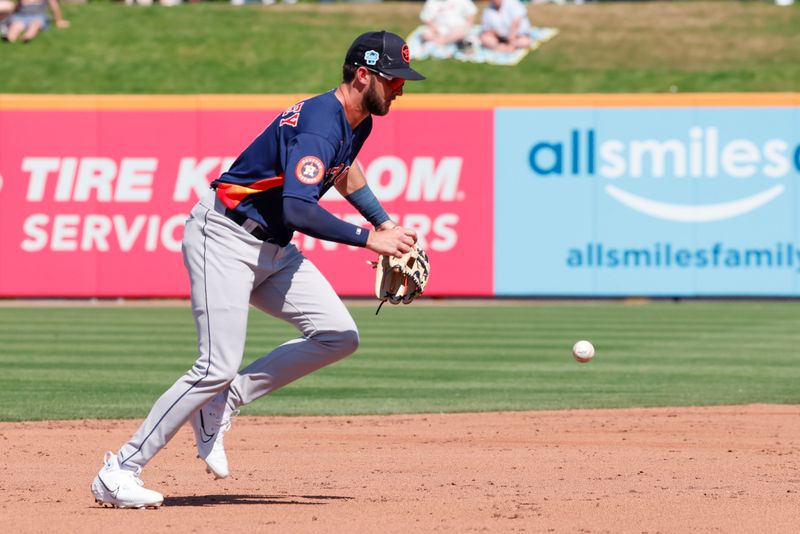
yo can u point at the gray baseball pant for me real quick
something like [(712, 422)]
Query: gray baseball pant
[(229, 269)]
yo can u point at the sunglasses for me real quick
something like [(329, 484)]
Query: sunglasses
[(394, 82)]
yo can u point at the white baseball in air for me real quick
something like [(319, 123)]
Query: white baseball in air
[(583, 351)]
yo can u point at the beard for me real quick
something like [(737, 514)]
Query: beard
[(373, 101)]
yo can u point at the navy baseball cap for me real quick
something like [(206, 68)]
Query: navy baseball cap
[(384, 52)]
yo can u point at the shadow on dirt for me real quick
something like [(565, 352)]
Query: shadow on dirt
[(212, 500)]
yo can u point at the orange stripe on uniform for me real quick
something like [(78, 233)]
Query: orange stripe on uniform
[(232, 194)]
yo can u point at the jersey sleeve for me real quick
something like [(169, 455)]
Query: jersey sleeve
[(308, 157)]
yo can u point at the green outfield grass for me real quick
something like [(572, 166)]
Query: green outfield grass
[(217, 48), (113, 362)]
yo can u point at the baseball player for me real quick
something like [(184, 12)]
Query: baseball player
[(237, 250)]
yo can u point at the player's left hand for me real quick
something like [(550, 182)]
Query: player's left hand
[(392, 241)]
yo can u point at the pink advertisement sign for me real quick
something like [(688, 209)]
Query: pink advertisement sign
[(92, 202)]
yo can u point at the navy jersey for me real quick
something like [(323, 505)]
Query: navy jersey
[(301, 154)]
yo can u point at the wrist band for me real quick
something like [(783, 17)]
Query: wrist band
[(365, 202)]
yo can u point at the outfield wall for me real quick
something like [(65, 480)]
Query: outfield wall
[(514, 195)]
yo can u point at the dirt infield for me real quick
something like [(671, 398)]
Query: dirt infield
[(720, 469)]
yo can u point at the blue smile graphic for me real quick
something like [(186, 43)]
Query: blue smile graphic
[(694, 213)]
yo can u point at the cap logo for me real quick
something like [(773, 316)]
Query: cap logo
[(310, 170), (405, 53), (371, 57)]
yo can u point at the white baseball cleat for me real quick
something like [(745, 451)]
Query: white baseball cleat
[(121, 488), (210, 424)]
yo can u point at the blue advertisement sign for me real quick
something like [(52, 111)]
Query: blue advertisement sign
[(674, 201)]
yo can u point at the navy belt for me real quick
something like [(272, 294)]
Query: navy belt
[(250, 226)]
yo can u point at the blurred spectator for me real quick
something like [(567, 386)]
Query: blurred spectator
[(167, 3), (30, 17), (505, 26), (6, 8), (447, 21), (265, 2)]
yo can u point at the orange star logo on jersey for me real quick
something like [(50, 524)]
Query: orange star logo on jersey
[(310, 170)]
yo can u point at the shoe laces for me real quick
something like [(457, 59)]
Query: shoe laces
[(224, 426), (133, 475), (128, 476)]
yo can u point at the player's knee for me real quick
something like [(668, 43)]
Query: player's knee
[(350, 341), (221, 374), (218, 373), (341, 343)]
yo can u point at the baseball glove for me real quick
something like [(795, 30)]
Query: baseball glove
[(401, 279)]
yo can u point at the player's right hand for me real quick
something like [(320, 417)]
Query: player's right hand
[(392, 241)]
